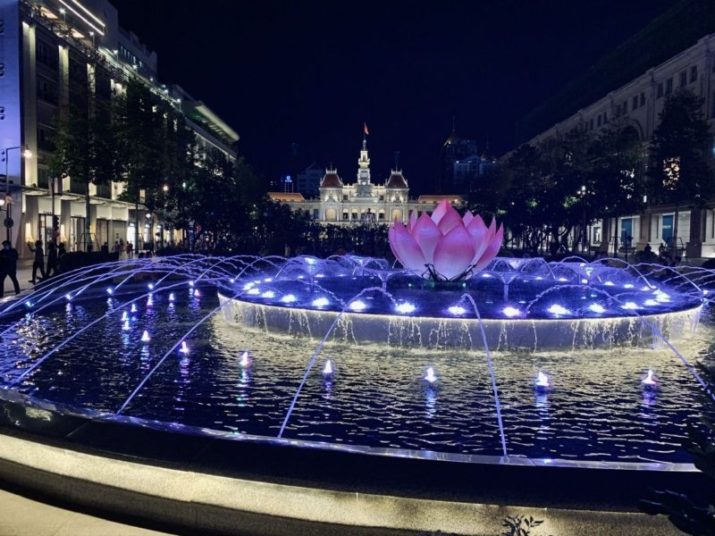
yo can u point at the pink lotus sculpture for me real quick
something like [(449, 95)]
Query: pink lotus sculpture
[(445, 246)]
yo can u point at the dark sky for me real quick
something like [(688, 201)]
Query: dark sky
[(309, 73)]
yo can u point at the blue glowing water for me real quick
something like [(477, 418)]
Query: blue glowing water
[(72, 348)]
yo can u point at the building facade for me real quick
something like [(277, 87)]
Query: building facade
[(636, 106), (362, 201), (463, 164), (52, 53)]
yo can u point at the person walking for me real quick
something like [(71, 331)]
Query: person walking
[(8, 267), (52, 266), (39, 261)]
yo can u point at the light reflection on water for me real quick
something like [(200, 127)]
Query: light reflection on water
[(596, 408)]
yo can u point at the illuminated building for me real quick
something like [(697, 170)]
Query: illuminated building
[(54, 51), (363, 201)]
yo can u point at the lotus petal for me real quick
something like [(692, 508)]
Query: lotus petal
[(427, 235), (405, 248), (450, 220), (492, 248), (413, 220), (480, 237), (454, 253), (467, 218), (439, 212)]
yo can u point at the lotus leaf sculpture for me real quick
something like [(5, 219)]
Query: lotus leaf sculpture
[(445, 246)]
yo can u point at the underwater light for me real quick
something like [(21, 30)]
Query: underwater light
[(172, 297), (134, 308), (125, 327), (150, 286), (510, 311), (254, 292), (321, 302), (191, 283), (328, 368), (430, 376), (197, 293), (557, 309), (650, 381), (456, 310), (110, 290), (628, 285), (268, 294), (289, 298), (124, 316), (245, 360), (609, 283), (145, 336), (597, 308), (650, 303), (184, 349), (405, 308), (630, 306), (68, 297), (358, 305), (248, 286), (542, 382)]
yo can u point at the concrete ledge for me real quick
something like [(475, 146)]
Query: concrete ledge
[(205, 503)]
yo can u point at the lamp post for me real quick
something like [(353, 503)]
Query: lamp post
[(26, 153), (584, 231)]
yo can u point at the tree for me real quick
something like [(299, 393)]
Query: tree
[(681, 171), (616, 185), (86, 146)]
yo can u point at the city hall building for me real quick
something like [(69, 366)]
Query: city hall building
[(50, 52), (362, 201)]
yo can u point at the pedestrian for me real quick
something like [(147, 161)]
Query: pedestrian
[(52, 267), (61, 252), (8, 267), (39, 261)]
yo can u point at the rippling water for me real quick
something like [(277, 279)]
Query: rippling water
[(596, 409)]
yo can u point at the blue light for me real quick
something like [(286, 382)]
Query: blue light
[(630, 306), (110, 290), (150, 286), (145, 337), (358, 305), (557, 309), (510, 311), (456, 310), (597, 308), (254, 291), (289, 298), (268, 294), (405, 308), (321, 302)]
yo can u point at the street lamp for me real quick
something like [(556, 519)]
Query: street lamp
[(27, 154), (584, 229)]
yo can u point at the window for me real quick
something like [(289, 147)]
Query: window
[(625, 107), (693, 73), (642, 99), (634, 103), (598, 122), (590, 124), (47, 54), (659, 94), (668, 86), (683, 78)]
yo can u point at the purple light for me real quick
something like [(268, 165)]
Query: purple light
[(542, 383), (328, 368), (145, 336), (650, 381)]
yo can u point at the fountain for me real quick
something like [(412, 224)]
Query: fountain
[(236, 349)]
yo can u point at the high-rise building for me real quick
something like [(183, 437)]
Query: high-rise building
[(463, 163), (53, 52), (308, 180)]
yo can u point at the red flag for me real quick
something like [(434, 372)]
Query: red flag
[(365, 130)]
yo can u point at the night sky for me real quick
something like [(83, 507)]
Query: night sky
[(305, 75)]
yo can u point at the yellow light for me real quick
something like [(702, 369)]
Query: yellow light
[(79, 15)]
